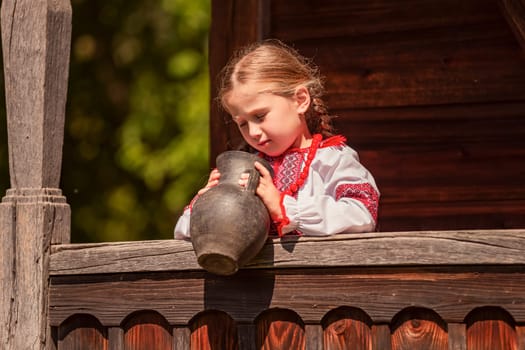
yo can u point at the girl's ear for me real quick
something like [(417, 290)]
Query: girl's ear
[(302, 98)]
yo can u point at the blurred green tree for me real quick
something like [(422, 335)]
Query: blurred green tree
[(136, 142)]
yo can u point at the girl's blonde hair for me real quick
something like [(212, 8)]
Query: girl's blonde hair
[(284, 69)]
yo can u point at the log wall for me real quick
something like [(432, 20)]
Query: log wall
[(430, 93)]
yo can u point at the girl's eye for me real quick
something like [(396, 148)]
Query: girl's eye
[(260, 117)]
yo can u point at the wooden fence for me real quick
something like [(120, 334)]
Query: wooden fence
[(411, 290)]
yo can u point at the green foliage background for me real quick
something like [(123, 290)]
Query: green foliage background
[(136, 142)]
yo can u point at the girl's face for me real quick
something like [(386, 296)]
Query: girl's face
[(270, 123)]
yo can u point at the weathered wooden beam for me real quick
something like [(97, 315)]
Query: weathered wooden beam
[(514, 12), (7, 278), (457, 337), (493, 247), (235, 23), (36, 36), (27, 228), (452, 292)]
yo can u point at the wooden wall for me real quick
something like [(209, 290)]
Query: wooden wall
[(430, 93)]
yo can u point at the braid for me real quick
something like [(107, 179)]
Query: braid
[(318, 119)]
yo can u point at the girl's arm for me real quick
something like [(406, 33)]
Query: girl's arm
[(323, 215), (182, 228), (339, 196)]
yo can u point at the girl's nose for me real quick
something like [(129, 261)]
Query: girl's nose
[(254, 130)]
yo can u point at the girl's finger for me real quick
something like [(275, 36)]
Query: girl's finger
[(262, 169), (214, 174), (209, 185)]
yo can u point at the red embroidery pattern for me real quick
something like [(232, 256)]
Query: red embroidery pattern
[(289, 177), (190, 206), (362, 192), (289, 170)]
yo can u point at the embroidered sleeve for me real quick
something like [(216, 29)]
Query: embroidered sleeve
[(339, 196), (362, 192), (182, 228)]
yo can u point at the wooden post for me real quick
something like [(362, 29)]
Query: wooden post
[(225, 37), (36, 39)]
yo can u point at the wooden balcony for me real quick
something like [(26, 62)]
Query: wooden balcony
[(403, 290), (433, 97)]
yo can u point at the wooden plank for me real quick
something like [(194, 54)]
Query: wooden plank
[(491, 328), (431, 132), (246, 334), (458, 215), (52, 344), (500, 207), (155, 255), (386, 87), (181, 338), (457, 336), (115, 338), (416, 328), (510, 110), (450, 291), (461, 195), (465, 247), (506, 200), (381, 337), (424, 83), (280, 329), (520, 334), (147, 330), (82, 332), (7, 269), (213, 330), (344, 326), (391, 54), (291, 20), (314, 337)]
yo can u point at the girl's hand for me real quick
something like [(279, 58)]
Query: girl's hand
[(213, 180), (267, 191)]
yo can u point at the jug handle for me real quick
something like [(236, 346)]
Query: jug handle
[(253, 181)]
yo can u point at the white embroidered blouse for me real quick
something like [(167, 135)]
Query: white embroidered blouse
[(339, 195)]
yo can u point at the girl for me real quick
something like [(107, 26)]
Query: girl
[(274, 96)]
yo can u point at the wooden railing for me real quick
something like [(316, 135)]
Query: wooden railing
[(406, 290)]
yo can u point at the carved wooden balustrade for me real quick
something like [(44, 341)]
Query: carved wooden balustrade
[(407, 290)]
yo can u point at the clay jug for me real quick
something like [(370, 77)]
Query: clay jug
[(229, 224)]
